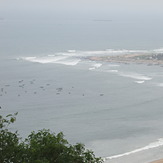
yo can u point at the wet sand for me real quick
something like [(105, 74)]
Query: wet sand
[(158, 161)]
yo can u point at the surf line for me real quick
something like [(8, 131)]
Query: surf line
[(150, 146)]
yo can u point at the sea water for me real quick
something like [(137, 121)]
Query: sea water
[(114, 109)]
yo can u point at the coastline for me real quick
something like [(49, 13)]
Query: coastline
[(148, 59), (157, 161)]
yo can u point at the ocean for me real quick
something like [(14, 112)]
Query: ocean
[(115, 109)]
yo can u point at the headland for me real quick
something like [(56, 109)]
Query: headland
[(149, 59)]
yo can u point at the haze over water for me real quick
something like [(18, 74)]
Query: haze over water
[(115, 109)]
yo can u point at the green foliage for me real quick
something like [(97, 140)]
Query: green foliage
[(4, 123), (10, 147), (43, 146)]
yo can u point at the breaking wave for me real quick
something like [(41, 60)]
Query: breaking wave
[(54, 59), (101, 52), (156, 144), (135, 76), (110, 52), (158, 50), (112, 71), (140, 82), (95, 66)]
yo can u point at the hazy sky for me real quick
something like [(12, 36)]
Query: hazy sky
[(79, 8)]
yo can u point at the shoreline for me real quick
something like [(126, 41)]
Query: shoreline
[(148, 59), (157, 161)]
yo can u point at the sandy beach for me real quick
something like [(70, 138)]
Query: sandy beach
[(157, 161)]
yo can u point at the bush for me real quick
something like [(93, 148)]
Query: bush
[(43, 146)]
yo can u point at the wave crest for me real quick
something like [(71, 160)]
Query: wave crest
[(135, 76), (53, 59), (156, 144)]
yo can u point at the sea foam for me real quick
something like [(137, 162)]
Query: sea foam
[(112, 71), (97, 65), (100, 52), (156, 144), (66, 60), (140, 82), (134, 75), (158, 50)]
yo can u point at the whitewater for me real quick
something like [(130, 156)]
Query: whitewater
[(150, 146)]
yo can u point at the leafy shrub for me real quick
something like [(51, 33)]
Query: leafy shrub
[(43, 146)]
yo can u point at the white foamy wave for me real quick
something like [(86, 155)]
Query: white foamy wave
[(135, 76), (69, 62), (90, 53), (109, 52), (92, 68), (112, 70), (95, 66), (112, 52), (140, 82), (83, 53), (126, 51), (113, 65), (150, 146), (45, 59), (51, 55), (29, 58), (53, 59), (100, 52), (71, 51), (158, 50)]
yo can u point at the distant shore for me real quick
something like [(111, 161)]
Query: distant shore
[(149, 59)]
